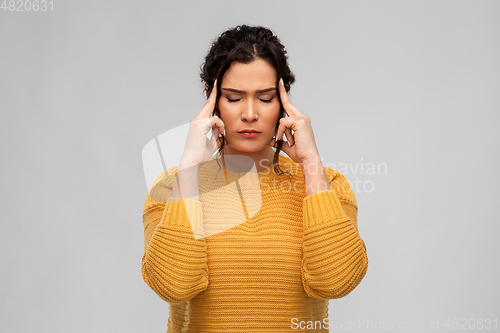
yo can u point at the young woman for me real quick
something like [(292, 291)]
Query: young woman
[(250, 240)]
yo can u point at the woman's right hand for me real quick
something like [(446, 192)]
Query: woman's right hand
[(198, 148)]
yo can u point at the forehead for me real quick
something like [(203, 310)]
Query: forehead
[(258, 74)]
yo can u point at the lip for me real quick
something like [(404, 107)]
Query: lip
[(249, 130), (249, 134)]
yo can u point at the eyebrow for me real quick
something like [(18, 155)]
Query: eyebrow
[(241, 92)]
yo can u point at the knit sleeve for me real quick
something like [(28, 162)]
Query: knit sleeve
[(174, 263), (334, 255)]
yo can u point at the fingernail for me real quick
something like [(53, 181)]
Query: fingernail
[(281, 81), (215, 82)]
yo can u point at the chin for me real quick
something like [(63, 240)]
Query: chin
[(248, 148)]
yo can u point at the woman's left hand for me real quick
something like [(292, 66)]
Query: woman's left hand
[(301, 145)]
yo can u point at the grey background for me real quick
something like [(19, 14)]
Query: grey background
[(413, 85)]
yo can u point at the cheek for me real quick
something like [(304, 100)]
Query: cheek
[(227, 110), (275, 111), (223, 112)]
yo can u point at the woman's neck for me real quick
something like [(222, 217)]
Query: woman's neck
[(245, 162)]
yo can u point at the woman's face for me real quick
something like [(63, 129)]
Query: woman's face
[(248, 101)]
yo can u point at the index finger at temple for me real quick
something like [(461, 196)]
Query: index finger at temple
[(209, 106), (290, 109)]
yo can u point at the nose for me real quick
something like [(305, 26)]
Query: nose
[(250, 112)]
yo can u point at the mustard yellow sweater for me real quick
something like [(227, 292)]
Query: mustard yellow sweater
[(267, 265)]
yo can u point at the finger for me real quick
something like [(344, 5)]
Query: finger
[(217, 127), (290, 109), (289, 137), (285, 147), (209, 106), (217, 124), (283, 125), (215, 136)]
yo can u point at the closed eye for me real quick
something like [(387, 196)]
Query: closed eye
[(262, 100)]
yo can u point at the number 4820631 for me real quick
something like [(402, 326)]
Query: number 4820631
[(27, 5), (471, 323)]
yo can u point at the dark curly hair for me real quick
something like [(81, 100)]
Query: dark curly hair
[(244, 44)]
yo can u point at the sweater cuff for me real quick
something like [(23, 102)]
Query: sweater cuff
[(322, 207), (186, 213)]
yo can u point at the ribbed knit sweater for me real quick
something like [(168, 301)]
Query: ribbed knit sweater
[(268, 265)]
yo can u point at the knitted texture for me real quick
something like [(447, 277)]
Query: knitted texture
[(275, 262)]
